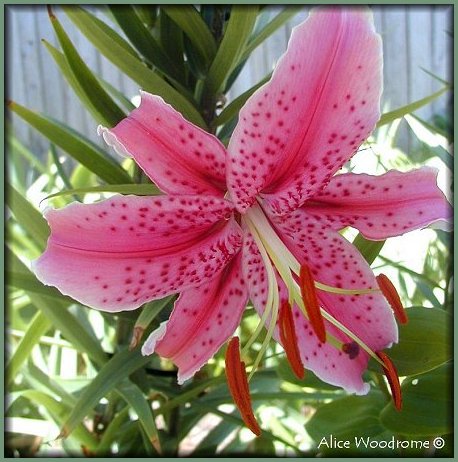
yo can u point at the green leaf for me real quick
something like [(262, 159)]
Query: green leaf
[(147, 79), (151, 310), (285, 15), (368, 249), (134, 397), (107, 110), (39, 379), (402, 111), (192, 24), (427, 405), (241, 23), (346, 417), (59, 410), (56, 311), (16, 148), (38, 327), (136, 189), (80, 148), (143, 40), (111, 432), (27, 216), (120, 366), (424, 342), (172, 41)]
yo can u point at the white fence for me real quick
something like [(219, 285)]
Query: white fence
[(416, 39)]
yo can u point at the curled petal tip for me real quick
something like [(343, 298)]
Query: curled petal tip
[(393, 379)]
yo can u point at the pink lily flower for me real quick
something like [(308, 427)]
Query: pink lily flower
[(259, 220)]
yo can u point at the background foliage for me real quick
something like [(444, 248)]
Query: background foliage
[(75, 387)]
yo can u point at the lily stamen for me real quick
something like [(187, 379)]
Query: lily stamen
[(393, 379), (392, 297), (238, 385), (289, 340), (311, 303)]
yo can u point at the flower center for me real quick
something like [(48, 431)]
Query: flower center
[(301, 288)]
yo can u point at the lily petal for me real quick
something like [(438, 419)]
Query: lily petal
[(323, 99), (381, 206), (119, 253), (328, 363), (202, 320), (178, 156)]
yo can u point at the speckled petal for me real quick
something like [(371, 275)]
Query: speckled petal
[(381, 206), (323, 99), (121, 252), (178, 156), (202, 320)]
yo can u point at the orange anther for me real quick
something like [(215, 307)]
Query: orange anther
[(289, 340), (312, 305), (392, 297), (393, 379), (238, 385)]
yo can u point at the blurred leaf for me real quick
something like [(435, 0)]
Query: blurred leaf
[(402, 111), (424, 342), (56, 311), (120, 366), (80, 148), (367, 248), (38, 327), (111, 432), (192, 24), (16, 148), (59, 410), (35, 375), (346, 417), (240, 25), (107, 110), (427, 405), (27, 216), (143, 40), (147, 79), (134, 397), (171, 38), (136, 189)]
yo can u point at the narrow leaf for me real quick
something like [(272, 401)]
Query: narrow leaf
[(108, 112), (192, 24), (120, 366), (37, 327), (143, 40), (27, 216), (147, 79), (402, 111), (241, 23), (80, 148)]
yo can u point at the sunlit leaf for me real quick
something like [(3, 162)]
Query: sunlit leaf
[(427, 405)]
